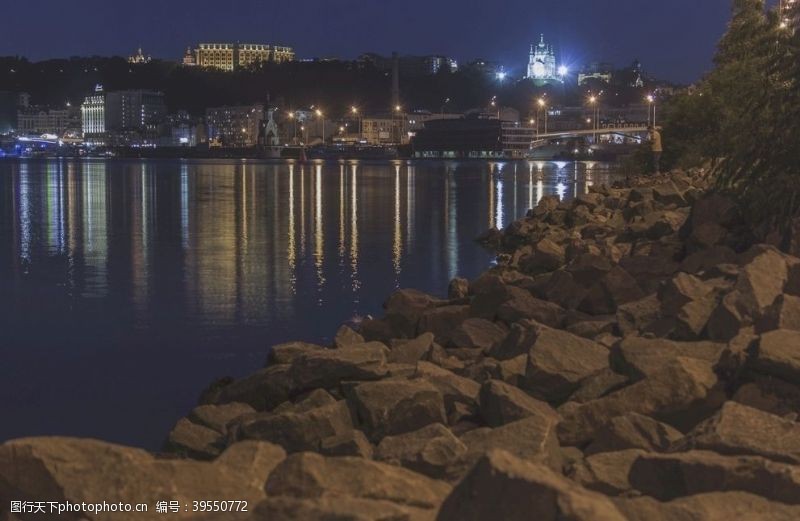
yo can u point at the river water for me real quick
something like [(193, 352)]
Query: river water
[(127, 286)]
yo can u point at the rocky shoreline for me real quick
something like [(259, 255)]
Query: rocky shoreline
[(633, 356)]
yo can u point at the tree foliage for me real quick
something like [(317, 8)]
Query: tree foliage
[(756, 82)]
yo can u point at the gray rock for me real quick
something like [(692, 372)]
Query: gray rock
[(669, 476), (309, 476), (501, 486), (431, 450), (217, 417), (78, 471), (784, 313), (532, 438), (558, 362), (286, 353), (392, 407), (712, 506), (598, 385), (588, 268), (637, 315), (352, 443), (762, 278), (478, 333), (284, 508), (778, 355), (771, 395), (682, 393), (346, 337), (728, 318), (306, 402), (411, 351), (195, 441), (455, 389), (740, 430), (442, 321), (327, 368), (297, 431), (639, 357), (501, 403), (634, 431), (458, 289), (607, 472), (616, 288), (262, 390)]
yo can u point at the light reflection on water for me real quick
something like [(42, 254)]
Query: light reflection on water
[(125, 287)]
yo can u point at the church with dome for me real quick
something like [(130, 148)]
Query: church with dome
[(542, 67)]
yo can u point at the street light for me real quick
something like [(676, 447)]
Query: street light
[(543, 105), (355, 112), (321, 115), (651, 108)]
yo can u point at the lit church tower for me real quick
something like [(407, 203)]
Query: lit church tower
[(542, 63)]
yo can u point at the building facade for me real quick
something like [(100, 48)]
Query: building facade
[(234, 126), (93, 115), (598, 72), (124, 118), (39, 120), (233, 56), (139, 57), (542, 66)]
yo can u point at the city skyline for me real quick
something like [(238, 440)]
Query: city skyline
[(475, 30)]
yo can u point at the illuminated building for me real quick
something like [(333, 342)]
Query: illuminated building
[(122, 117), (189, 57), (38, 120), (93, 114), (542, 63), (139, 57), (599, 72), (232, 56), (234, 126)]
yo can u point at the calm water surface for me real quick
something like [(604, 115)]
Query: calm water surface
[(126, 287)]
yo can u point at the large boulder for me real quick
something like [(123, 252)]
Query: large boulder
[(431, 450), (455, 389), (634, 431), (533, 438), (411, 351), (501, 486), (684, 392), (442, 322), (606, 472), (404, 309), (262, 390), (559, 361), (784, 313), (77, 471), (297, 431), (286, 353), (195, 441), (346, 337), (669, 476), (327, 368), (639, 357), (616, 288), (741, 430), (478, 333), (712, 506), (310, 476), (778, 355), (501, 403), (218, 417), (396, 406), (762, 278), (637, 315), (512, 304)]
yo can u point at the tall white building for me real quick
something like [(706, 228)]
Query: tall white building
[(542, 66)]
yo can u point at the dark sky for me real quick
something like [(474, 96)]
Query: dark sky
[(674, 39)]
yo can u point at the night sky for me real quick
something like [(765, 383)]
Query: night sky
[(674, 39)]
